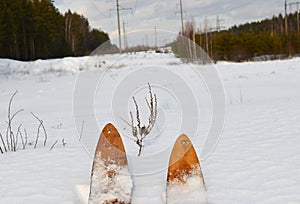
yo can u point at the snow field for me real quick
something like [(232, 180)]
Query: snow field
[(256, 161)]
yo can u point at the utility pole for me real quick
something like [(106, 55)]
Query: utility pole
[(124, 35), (206, 35), (181, 16), (155, 33), (119, 24), (297, 11), (119, 27)]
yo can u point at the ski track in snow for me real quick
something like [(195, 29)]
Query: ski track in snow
[(256, 160)]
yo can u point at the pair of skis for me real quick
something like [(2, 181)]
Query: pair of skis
[(111, 181)]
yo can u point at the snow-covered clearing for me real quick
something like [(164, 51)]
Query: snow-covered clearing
[(257, 159)]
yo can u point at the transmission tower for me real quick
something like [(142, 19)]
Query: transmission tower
[(218, 24)]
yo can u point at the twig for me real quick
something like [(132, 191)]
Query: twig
[(25, 137), (41, 125), (148, 103), (16, 113), (140, 132), (53, 145), (21, 136), (37, 135), (8, 130), (13, 144), (10, 137), (17, 136), (137, 113), (63, 142), (81, 131), (2, 140), (125, 121), (0, 146)]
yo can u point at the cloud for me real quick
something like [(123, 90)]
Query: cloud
[(147, 14)]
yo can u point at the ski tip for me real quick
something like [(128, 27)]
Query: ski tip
[(109, 126), (183, 149), (183, 158), (110, 136)]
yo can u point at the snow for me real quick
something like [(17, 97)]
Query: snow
[(190, 189), (255, 161), (177, 192), (110, 188)]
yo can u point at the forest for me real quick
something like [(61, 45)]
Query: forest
[(35, 29), (266, 39)]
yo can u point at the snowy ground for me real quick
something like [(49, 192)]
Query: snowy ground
[(256, 160)]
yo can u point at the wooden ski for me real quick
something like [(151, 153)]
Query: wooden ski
[(185, 182), (111, 182)]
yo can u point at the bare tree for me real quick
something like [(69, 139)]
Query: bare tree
[(140, 132)]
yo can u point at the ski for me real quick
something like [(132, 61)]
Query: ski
[(111, 182), (185, 182)]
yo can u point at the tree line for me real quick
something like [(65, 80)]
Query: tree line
[(266, 38), (35, 29)]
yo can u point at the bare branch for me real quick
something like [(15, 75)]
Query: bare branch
[(17, 136), (137, 113), (41, 125), (9, 129), (140, 132), (134, 129), (37, 135), (3, 143), (125, 121), (53, 145), (0, 145), (13, 144), (81, 131), (148, 103), (25, 143), (21, 136), (16, 113)]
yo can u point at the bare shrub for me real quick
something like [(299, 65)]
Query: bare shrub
[(139, 131)]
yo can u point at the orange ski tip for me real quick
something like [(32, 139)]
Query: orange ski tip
[(109, 125)]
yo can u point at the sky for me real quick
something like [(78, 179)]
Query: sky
[(163, 14)]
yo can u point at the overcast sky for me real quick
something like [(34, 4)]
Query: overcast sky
[(146, 14)]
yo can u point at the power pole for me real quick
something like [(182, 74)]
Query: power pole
[(206, 35), (124, 35), (297, 11), (155, 33), (119, 24), (119, 27), (181, 16)]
